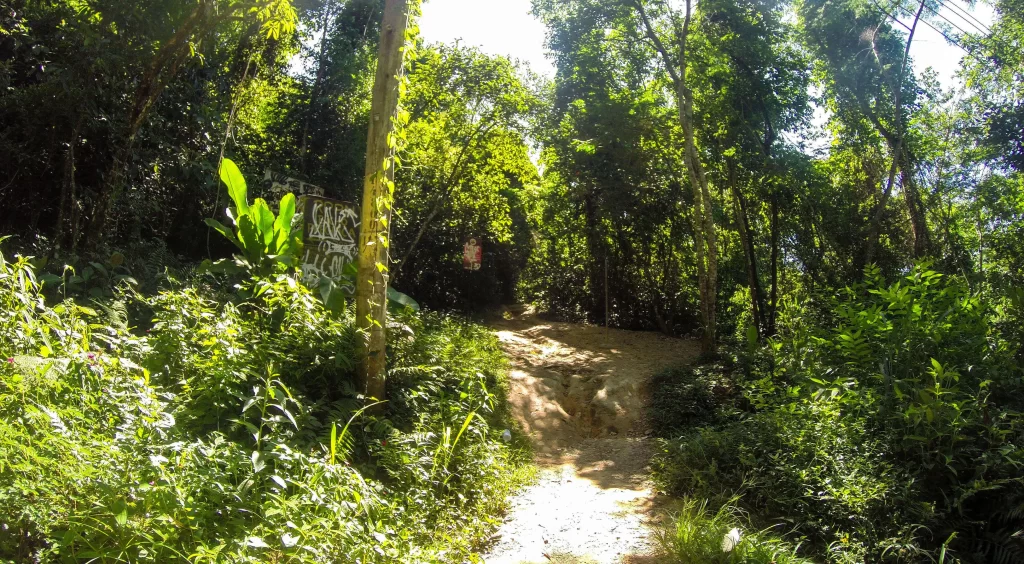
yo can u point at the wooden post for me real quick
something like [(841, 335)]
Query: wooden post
[(378, 191)]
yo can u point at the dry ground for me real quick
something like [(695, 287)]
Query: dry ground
[(579, 392)]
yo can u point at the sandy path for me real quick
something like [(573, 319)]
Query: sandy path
[(579, 392)]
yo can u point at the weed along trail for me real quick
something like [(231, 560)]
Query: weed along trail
[(579, 391)]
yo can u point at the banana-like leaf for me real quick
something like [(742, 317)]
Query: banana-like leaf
[(264, 219), (223, 230), (283, 224), (239, 192), (249, 235), (332, 296), (285, 213), (396, 297)]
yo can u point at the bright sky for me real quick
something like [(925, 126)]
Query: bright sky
[(931, 49), (506, 27), (498, 27)]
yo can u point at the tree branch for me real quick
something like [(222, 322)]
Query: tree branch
[(659, 46)]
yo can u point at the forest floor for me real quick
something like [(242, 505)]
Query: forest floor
[(580, 393)]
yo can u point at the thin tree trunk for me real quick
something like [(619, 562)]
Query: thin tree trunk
[(223, 148), (161, 70), (596, 249), (757, 306), (875, 229), (774, 306), (67, 228), (170, 56), (434, 212), (314, 97), (915, 207), (378, 198), (451, 185), (705, 237)]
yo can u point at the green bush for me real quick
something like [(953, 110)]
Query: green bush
[(810, 467), (881, 429), (700, 535), (228, 432), (682, 398)]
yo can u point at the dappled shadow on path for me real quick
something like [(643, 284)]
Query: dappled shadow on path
[(573, 382), (579, 392)]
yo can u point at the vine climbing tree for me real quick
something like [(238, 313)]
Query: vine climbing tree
[(378, 199)]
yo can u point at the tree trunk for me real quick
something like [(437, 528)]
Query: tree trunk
[(451, 185), (153, 82), (773, 313), (915, 207), (595, 248), (705, 238), (378, 197), (874, 231), (434, 212), (757, 305), (67, 217)]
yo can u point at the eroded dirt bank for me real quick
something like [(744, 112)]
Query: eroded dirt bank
[(579, 391)]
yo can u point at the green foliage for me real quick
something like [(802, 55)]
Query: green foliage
[(214, 436), (699, 535), (882, 428), (682, 398), (268, 242), (466, 173), (91, 280)]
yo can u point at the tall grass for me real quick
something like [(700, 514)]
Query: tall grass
[(699, 534)]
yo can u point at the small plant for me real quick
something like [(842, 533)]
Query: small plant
[(268, 242), (92, 280), (716, 537)]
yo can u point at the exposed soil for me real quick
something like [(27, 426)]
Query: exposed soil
[(579, 392)]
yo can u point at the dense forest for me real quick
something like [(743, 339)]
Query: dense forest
[(843, 235)]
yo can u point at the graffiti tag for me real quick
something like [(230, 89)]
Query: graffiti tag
[(331, 235)]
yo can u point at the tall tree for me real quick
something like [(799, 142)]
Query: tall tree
[(862, 64), (670, 40), (378, 200), (160, 68)]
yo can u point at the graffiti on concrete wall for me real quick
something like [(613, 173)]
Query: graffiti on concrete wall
[(331, 237)]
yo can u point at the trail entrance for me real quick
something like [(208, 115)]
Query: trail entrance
[(579, 391)]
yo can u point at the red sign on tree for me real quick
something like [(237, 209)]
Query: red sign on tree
[(472, 254)]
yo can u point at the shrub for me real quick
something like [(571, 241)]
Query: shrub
[(682, 398), (882, 429), (700, 535), (229, 433)]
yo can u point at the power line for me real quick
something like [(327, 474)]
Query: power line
[(991, 36), (940, 32), (943, 18), (966, 16)]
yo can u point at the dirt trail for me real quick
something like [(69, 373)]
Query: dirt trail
[(579, 392)]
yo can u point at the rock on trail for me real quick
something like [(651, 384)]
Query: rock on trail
[(579, 392)]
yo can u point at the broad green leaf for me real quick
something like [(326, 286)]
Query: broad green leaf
[(283, 224), (232, 177), (285, 213), (401, 299), (248, 234), (223, 230), (332, 295), (264, 219), (120, 511)]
